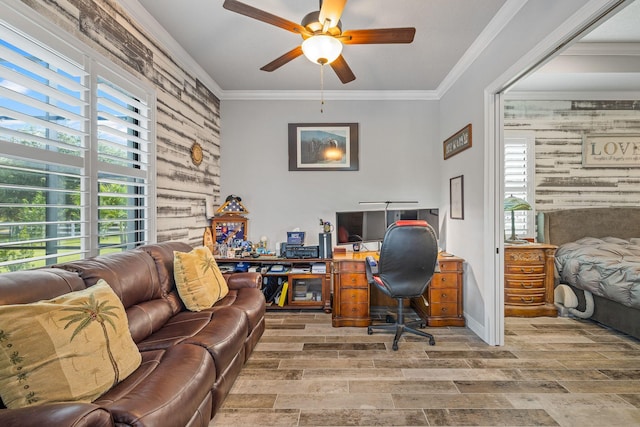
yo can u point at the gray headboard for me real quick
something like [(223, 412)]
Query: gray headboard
[(558, 227)]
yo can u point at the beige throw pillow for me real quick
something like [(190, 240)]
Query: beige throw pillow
[(74, 347), (198, 279)]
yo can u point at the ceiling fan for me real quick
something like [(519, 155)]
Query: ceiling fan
[(322, 35)]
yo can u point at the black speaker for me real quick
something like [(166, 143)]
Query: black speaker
[(324, 241)]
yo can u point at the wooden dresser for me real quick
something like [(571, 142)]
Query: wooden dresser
[(528, 280), (443, 295)]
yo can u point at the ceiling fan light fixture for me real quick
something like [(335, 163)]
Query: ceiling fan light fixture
[(322, 49)]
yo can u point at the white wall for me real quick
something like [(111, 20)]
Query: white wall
[(400, 154), (399, 160)]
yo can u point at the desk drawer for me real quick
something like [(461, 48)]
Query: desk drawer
[(449, 266), (443, 296), (350, 267), (353, 309), (353, 296), (444, 280), (353, 280), (443, 309)]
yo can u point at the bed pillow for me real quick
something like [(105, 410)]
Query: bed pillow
[(198, 279), (74, 347)]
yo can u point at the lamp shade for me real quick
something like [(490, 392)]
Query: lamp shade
[(512, 203), (321, 49)]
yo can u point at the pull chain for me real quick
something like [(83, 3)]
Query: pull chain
[(321, 88)]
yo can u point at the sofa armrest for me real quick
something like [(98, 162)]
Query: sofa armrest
[(57, 414), (244, 280)]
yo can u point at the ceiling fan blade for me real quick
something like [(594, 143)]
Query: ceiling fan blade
[(379, 36), (279, 62), (261, 15), (342, 69), (331, 10)]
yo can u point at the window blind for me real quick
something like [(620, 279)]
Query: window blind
[(519, 178), (75, 144)]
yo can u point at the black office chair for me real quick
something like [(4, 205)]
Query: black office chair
[(406, 264)]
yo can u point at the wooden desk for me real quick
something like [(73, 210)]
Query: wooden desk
[(304, 290), (352, 296)]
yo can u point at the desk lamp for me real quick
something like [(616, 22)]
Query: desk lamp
[(512, 204)]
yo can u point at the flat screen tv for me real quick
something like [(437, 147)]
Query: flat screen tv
[(370, 226)]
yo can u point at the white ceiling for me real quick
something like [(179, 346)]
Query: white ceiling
[(606, 59), (231, 48)]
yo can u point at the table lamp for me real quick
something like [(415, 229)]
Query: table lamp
[(512, 204)]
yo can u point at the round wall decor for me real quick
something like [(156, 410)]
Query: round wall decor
[(196, 154)]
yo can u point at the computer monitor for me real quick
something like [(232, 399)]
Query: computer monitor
[(370, 226)]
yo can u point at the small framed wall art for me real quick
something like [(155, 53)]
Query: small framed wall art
[(456, 197), (323, 146)]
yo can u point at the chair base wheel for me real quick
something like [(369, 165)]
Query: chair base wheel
[(369, 331), (395, 346), (432, 342), (389, 319)]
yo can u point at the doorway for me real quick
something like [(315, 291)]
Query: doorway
[(495, 96)]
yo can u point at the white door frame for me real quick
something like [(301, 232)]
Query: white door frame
[(551, 46)]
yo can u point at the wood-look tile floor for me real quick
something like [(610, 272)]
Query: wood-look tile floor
[(550, 372)]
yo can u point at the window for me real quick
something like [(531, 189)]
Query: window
[(519, 179), (75, 153)]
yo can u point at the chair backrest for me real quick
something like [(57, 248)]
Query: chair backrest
[(408, 257)]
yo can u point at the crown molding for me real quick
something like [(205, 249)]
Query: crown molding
[(144, 19), (623, 95), (495, 26), (605, 49), (332, 95)]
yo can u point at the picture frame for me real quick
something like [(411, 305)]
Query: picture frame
[(611, 150), (457, 142), (456, 197), (227, 228), (323, 147)]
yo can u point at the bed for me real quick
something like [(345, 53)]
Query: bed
[(615, 308)]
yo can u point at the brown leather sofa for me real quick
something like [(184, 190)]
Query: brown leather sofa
[(189, 359)]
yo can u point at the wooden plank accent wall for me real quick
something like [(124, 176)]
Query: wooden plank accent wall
[(186, 110), (559, 126)]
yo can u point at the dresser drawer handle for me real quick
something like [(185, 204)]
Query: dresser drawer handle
[(526, 270), (353, 280), (353, 310), (443, 279), (444, 310), (443, 295), (526, 285), (530, 299)]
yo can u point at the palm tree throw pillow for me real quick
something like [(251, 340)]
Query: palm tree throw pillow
[(198, 279), (74, 347)]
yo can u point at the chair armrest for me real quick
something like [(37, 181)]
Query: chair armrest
[(371, 268), (244, 280), (57, 414)]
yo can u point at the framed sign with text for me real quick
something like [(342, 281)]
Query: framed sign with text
[(457, 142), (611, 151)]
